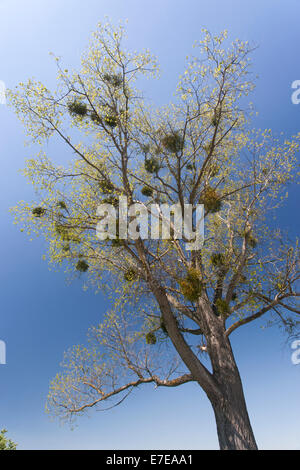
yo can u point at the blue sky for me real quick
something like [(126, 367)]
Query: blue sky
[(42, 315)]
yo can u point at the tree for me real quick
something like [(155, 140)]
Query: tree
[(173, 309), (6, 444)]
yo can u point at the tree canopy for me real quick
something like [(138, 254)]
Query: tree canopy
[(199, 149)]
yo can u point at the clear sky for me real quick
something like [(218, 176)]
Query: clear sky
[(42, 315)]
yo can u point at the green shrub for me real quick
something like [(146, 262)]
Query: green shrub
[(62, 205), (218, 259), (145, 149), (106, 186), (113, 79), (116, 242), (191, 285), (38, 211), (222, 307), (95, 118), (111, 120), (62, 231), (113, 200), (66, 234), (82, 266), (66, 248), (150, 338), (211, 200), (130, 275), (76, 108), (172, 143), (252, 241), (5, 443), (146, 191), (152, 165), (216, 118)]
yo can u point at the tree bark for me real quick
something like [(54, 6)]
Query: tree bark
[(232, 419), (233, 426), (223, 386)]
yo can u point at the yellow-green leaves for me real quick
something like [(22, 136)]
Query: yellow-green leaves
[(191, 285), (198, 149)]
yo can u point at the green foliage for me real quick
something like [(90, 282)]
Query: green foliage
[(65, 233), (146, 191), (216, 118), (218, 260), (152, 165), (95, 118), (191, 285), (115, 80), (82, 266), (38, 211), (66, 248), (222, 307), (150, 338), (5, 443), (62, 205), (208, 148), (243, 279), (77, 108), (111, 120), (130, 275), (173, 143), (117, 242), (252, 241), (61, 231), (106, 163), (145, 148), (211, 200), (106, 186), (113, 200), (214, 170)]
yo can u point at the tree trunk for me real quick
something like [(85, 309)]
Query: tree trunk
[(232, 419), (223, 387), (233, 424)]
